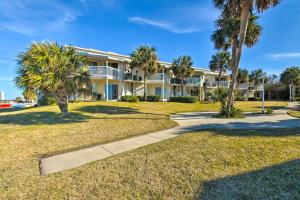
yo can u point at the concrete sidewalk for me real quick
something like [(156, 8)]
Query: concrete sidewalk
[(187, 122)]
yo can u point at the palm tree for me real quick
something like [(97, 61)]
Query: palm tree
[(243, 9), (220, 62), (50, 68), (256, 76), (145, 58), (182, 69), (242, 76)]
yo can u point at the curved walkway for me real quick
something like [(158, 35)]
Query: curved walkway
[(200, 120), (187, 122)]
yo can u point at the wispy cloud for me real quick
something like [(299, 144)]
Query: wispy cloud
[(31, 17), (164, 25), (6, 78), (285, 55), (188, 19)]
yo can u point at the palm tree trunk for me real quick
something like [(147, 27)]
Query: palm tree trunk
[(238, 52), (219, 78), (61, 97), (145, 82), (182, 87)]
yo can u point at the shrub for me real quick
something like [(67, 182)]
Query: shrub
[(46, 100), (269, 111), (253, 99), (234, 112), (185, 99), (153, 98), (208, 96), (129, 98)]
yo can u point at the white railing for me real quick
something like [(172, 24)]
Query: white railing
[(158, 77), (105, 72), (243, 86), (193, 81), (224, 84)]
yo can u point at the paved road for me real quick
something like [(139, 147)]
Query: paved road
[(187, 121)]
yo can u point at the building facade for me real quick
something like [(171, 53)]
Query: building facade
[(112, 78), (2, 96)]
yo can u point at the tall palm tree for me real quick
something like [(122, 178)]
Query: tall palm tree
[(145, 58), (220, 62), (243, 9), (182, 68), (54, 69)]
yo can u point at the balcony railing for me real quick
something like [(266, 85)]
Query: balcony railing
[(131, 77), (177, 81), (193, 81), (158, 77), (105, 72), (224, 84), (243, 86)]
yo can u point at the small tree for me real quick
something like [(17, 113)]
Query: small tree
[(220, 62), (54, 69), (182, 68), (145, 58), (291, 76)]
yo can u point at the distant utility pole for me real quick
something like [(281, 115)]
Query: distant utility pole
[(263, 93), (290, 86)]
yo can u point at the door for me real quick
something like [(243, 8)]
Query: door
[(112, 92)]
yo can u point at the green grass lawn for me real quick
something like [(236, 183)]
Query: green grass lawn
[(25, 135)]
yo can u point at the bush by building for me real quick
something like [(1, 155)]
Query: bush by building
[(184, 99)]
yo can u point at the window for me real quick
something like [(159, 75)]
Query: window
[(158, 91)]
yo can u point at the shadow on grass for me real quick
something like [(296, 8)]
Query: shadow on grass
[(102, 109), (34, 118), (274, 182), (9, 110), (114, 110), (283, 132)]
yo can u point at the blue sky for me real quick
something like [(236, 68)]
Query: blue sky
[(174, 27)]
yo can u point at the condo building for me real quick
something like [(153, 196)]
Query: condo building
[(112, 78)]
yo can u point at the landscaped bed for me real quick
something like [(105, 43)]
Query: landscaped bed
[(27, 134)]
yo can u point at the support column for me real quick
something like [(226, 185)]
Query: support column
[(106, 82), (163, 86)]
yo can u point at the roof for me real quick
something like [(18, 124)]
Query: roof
[(125, 58)]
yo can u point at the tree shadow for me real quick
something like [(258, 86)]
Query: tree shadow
[(103, 109), (36, 118), (274, 182), (115, 110), (9, 110), (281, 132)]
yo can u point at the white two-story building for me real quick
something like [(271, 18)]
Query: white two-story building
[(112, 78)]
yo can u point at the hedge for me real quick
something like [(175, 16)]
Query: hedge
[(253, 99), (185, 99), (129, 98), (153, 98)]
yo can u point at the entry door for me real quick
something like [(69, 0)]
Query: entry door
[(112, 92)]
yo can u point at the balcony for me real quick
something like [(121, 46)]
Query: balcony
[(158, 77), (177, 81), (223, 84), (105, 72), (131, 77), (193, 81), (243, 86)]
